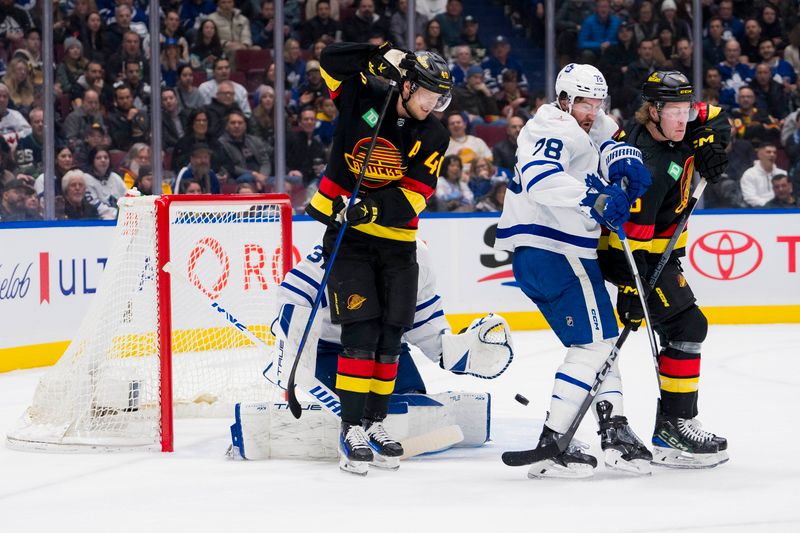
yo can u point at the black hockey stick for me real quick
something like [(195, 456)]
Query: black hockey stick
[(527, 457), (294, 404)]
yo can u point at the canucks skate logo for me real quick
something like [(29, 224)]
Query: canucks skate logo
[(355, 301), (385, 163)]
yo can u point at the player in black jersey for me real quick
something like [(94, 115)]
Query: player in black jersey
[(676, 136), (373, 282)]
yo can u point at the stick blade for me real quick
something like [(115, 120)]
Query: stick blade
[(435, 440), (528, 457), (294, 405)]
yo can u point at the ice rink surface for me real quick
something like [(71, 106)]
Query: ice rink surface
[(749, 393)]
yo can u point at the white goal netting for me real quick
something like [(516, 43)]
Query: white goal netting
[(113, 385)]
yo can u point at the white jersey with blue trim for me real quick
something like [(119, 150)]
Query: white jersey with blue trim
[(554, 158), (302, 282)]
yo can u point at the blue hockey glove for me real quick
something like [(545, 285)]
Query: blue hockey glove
[(622, 163), (609, 207)]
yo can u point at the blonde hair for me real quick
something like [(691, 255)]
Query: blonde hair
[(642, 114), (474, 165), (19, 94)]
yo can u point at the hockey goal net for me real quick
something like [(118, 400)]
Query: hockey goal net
[(161, 337)]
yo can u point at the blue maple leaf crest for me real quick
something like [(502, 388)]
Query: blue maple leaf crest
[(593, 181)]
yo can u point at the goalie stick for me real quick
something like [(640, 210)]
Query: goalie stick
[(527, 457), (432, 441)]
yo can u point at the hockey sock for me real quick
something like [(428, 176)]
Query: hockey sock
[(353, 379), (679, 370), (611, 392), (381, 387), (573, 381)]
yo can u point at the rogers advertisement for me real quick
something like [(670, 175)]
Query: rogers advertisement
[(734, 263)]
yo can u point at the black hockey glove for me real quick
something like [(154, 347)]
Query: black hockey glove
[(710, 158), (391, 63), (629, 307), (364, 211)]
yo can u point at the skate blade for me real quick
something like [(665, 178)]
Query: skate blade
[(385, 463), (637, 467), (549, 469), (359, 468), (672, 458)]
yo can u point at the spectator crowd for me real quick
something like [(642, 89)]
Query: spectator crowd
[(218, 97)]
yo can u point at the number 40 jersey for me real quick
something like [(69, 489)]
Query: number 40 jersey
[(555, 159)]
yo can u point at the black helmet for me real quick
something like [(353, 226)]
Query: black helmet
[(667, 86), (431, 72)]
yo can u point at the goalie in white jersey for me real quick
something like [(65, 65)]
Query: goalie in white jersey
[(484, 350), (569, 180)]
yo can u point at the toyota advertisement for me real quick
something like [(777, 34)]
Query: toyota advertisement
[(742, 267)]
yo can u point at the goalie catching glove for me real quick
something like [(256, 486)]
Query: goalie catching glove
[(483, 350), (364, 211)]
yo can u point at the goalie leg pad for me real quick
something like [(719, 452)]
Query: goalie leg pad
[(288, 330), (471, 411), (483, 350), (264, 430), (574, 380)]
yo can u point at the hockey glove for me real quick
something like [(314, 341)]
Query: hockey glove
[(710, 158), (610, 207), (622, 163), (391, 63), (483, 350), (629, 307), (364, 211)]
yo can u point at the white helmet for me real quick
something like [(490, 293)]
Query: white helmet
[(581, 80)]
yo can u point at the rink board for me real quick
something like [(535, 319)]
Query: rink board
[(741, 265)]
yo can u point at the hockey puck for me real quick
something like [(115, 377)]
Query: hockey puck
[(521, 399)]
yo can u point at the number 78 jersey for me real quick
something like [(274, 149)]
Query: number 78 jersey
[(542, 208)]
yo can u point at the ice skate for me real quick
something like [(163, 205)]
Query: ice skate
[(386, 451), (683, 443), (355, 453), (572, 463), (622, 448)]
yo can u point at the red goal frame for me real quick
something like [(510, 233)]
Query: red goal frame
[(164, 282)]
